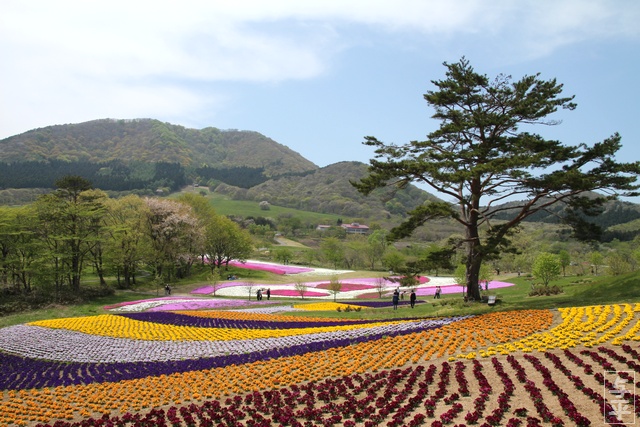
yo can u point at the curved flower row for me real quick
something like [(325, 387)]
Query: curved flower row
[(264, 314), (247, 371), (70, 346), (411, 396), (29, 372), (588, 326), (187, 319), (172, 304), (122, 327)]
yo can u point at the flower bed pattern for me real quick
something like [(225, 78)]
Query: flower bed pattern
[(350, 375)]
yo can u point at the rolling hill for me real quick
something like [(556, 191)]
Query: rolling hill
[(152, 141)]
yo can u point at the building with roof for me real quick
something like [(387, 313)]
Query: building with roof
[(355, 228)]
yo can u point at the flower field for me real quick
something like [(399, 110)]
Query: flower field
[(256, 367)]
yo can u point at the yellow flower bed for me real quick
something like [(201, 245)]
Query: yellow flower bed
[(326, 306), (182, 388), (589, 326), (123, 327)]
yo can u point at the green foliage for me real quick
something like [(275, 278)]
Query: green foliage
[(545, 290), (546, 268)]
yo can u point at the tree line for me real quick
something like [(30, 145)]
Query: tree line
[(46, 247)]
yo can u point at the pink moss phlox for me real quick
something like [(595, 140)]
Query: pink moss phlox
[(346, 287), (294, 293)]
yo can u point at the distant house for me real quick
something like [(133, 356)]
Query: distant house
[(323, 227), (356, 228)]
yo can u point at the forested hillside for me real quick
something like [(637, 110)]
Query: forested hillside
[(611, 219), (329, 190), (152, 141)]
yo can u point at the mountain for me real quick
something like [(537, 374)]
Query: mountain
[(152, 141), (329, 190), (618, 219), (143, 155)]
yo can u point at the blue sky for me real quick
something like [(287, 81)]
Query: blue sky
[(316, 76)]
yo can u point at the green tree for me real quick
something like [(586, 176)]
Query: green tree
[(486, 274), (479, 158), (332, 251), (376, 247), (565, 260), (20, 248), (393, 260), (130, 243), (354, 250), (437, 258), (335, 286), (214, 280), (71, 223), (546, 268), (226, 241), (617, 264), (596, 259), (283, 255), (460, 274)]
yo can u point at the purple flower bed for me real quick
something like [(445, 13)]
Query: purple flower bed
[(26, 373), (166, 318)]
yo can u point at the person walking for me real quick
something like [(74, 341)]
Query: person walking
[(268, 294), (396, 299), (412, 298)]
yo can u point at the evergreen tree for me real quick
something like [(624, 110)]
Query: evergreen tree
[(479, 158)]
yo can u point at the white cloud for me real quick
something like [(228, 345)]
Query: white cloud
[(76, 58)]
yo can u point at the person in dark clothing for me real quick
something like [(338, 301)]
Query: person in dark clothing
[(412, 298), (396, 299), (268, 294)]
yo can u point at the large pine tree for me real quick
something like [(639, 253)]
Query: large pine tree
[(479, 159)]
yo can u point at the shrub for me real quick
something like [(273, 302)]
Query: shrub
[(545, 290)]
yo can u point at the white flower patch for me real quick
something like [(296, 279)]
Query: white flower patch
[(71, 346), (147, 304)]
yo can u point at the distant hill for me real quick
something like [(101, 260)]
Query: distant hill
[(329, 190), (153, 141), (618, 219)]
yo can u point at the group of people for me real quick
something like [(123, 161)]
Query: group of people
[(438, 292), (397, 295), (260, 291)]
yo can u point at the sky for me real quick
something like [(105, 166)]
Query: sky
[(314, 75)]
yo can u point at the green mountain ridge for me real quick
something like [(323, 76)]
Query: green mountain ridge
[(152, 141), (329, 190)]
